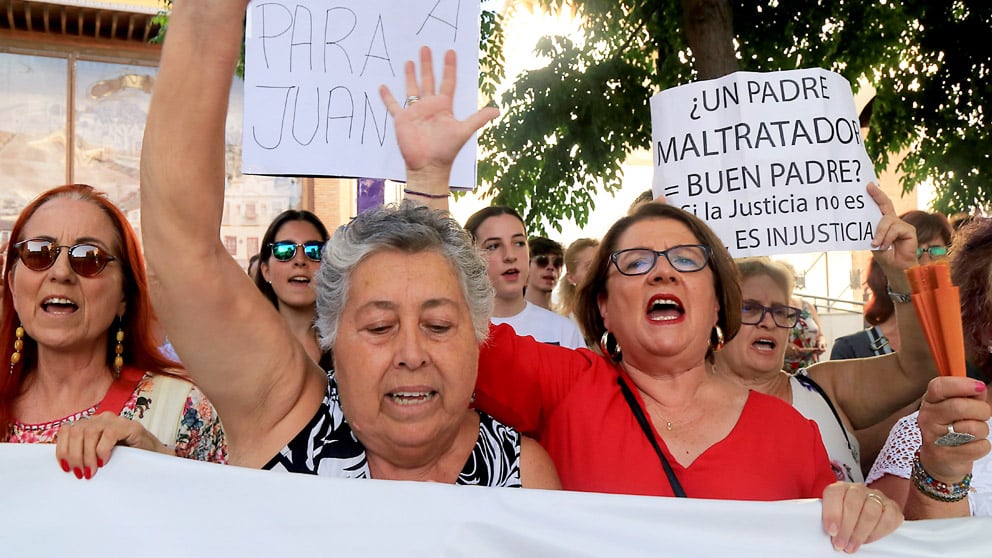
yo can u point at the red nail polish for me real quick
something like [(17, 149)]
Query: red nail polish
[(65, 465), (99, 462), (87, 474), (78, 472), (980, 387)]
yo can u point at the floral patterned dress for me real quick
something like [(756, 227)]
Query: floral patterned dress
[(199, 434), (804, 335)]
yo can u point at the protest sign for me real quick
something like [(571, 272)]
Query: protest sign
[(312, 77), (773, 162)]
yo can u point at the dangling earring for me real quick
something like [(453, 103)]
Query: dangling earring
[(119, 350), (604, 345), (15, 357), (719, 338)]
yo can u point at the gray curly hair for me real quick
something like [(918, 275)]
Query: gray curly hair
[(408, 228)]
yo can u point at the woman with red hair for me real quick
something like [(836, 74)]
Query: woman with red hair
[(77, 332)]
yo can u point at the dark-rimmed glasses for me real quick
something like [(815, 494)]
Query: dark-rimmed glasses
[(638, 261), (934, 251), (752, 312), (286, 250), (543, 260), (39, 254)]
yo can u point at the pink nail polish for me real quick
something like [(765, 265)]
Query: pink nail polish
[(65, 465), (980, 387), (78, 472)]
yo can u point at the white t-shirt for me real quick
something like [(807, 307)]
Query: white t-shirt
[(544, 326)]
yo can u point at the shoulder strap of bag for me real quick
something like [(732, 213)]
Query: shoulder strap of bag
[(878, 343), (120, 391), (642, 420), (166, 401)]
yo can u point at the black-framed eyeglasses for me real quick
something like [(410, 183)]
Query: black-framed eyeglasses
[(543, 260), (638, 261), (286, 250), (934, 251), (39, 254), (752, 312)]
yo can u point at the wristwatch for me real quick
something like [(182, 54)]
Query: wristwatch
[(898, 298)]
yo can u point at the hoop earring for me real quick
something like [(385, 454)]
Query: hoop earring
[(15, 357), (719, 338), (604, 345), (119, 349)]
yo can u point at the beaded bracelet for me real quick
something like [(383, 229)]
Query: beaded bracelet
[(425, 194), (935, 489)]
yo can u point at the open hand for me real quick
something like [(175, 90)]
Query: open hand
[(427, 131)]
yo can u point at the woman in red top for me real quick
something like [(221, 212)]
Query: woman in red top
[(651, 416)]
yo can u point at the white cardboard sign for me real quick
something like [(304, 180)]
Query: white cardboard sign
[(773, 162), (312, 77)]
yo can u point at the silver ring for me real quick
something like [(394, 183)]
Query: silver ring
[(952, 438), (412, 99), (875, 498)]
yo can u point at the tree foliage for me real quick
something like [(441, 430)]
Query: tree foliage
[(566, 128)]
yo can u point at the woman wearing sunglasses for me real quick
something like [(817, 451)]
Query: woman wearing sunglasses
[(840, 396), (288, 259), (77, 333)]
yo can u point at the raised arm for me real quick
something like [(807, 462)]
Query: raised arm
[(868, 390), (427, 131), (231, 340)]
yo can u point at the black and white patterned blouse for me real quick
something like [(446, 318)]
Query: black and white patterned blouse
[(328, 447)]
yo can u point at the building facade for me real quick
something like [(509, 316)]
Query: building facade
[(75, 83)]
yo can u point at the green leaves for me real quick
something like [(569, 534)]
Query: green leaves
[(566, 128)]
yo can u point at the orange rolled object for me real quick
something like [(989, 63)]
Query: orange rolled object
[(921, 283), (948, 306)]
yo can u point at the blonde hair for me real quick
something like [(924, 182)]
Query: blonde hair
[(566, 289)]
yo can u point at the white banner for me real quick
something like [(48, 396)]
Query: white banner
[(312, 77), (151, 505), (773, 162)]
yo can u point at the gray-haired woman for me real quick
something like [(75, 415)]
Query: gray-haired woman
[(402, 301)]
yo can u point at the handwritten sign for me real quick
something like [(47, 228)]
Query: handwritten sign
[(312, 77), (773, 162)]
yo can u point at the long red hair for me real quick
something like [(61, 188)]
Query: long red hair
[(140, 345)]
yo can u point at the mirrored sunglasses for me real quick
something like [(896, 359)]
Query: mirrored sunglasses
[(934, 251), (285, 250), (39, 254)]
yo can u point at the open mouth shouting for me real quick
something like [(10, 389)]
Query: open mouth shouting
[(765, 344), (299, 280), (665, 308), (59, 305)]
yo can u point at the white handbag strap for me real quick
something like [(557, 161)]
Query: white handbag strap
[(165, 404)]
